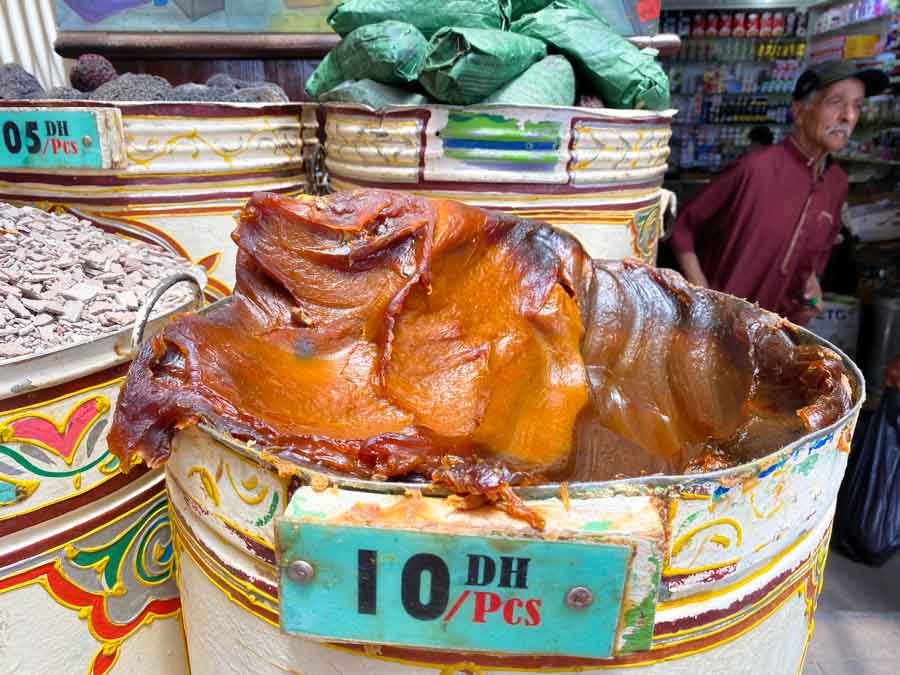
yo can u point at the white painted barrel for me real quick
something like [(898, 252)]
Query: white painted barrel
[(86, 554), (179, 173), (729, 564), (597, 173)]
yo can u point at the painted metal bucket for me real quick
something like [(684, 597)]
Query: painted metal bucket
[(716, 572), (86, 559), (169, 173), (597, 173)]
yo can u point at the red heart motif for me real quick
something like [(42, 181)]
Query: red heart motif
[(62, 439)]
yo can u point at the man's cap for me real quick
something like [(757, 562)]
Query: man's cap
[(825, 74)]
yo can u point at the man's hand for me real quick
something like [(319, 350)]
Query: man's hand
[(892, 373), (812, 292), (690, 268), (812, 300)]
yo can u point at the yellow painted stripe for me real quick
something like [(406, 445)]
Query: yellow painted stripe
[(199, 188), (703, 597)]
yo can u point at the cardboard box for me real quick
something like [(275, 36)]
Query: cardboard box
[(839, 322)]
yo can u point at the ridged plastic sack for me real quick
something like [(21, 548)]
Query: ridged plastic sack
[(390, 52), (607, 63), (550, 81), (867, 519), (429, 16), (371, 93), (466, 65), (522, 7), (623, 17)]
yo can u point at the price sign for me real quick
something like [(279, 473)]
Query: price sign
[(451, 591), (61, 138)]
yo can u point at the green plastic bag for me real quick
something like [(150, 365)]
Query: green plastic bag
[(429, 16), (522, 7), (390, 52), (466, 65), (612, 67), (550, 81), (371, 93)]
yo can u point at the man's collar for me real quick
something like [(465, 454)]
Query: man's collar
[(807, 159)]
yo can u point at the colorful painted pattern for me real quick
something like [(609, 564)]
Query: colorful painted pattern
[(720, 530), (747, 610), (118, 577), (646, 229), (597, 176), (498, 142), (55, 450), (768, 520)]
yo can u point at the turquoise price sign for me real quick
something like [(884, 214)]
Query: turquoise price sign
[(449, 591), (60, 138)]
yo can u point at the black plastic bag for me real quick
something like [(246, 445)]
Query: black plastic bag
[(867, 521)]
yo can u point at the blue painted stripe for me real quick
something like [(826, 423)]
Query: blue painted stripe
[(7, 493), (822, 441), (721, 490), (505, 156), (771, 469), (500, 165), (483, 144)]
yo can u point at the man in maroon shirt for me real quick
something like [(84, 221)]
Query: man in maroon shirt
[(892, 373), (764, 229)]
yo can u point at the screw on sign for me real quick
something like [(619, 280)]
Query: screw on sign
[(579, 597), (301, 571)]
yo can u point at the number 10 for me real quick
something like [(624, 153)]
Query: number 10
[(410, 585)]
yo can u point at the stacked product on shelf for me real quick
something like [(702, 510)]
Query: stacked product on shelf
[(724, 109), (849, 14), (713, 147), (877, 139), (739, 23), (849, 30), (718, 66), (736, 70), (838, 47)]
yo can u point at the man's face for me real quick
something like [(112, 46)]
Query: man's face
[(827, 121)]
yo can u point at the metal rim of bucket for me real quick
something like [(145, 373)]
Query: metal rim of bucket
[(139, 107), (626, 115), (652, 485)]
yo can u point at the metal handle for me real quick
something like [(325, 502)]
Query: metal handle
[(195, 277)]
